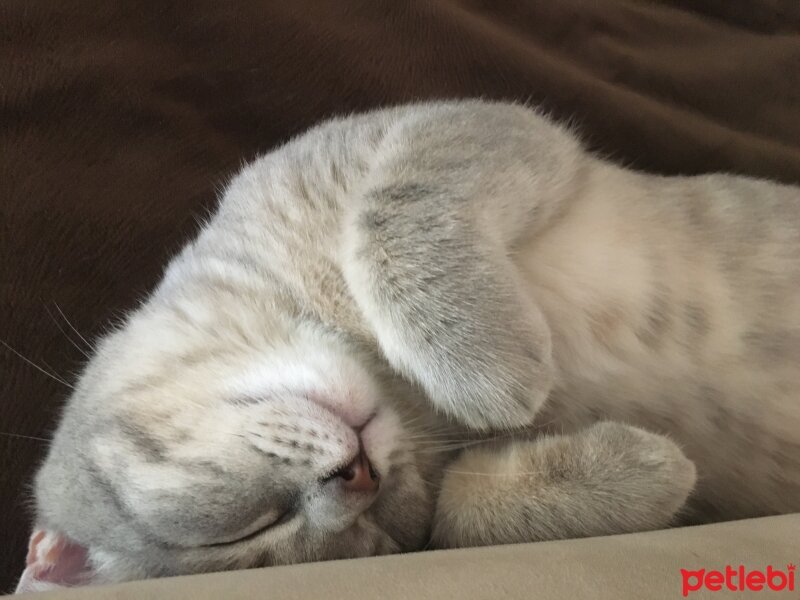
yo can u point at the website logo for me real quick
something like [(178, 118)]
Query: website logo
[(739, 579)]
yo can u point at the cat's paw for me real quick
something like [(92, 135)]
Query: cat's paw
[(608, 479), (447, 309), (644, 465)]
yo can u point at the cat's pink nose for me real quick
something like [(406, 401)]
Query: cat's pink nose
[(359, 475)]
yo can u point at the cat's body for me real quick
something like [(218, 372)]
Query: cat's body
[(675, 305), (466, 257)]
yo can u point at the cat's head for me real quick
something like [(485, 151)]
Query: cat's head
[(215, 432)]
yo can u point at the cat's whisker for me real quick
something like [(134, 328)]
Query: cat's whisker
[(444, 441), (436, 437), (473, 441), (24, 437), (500, 474), (37, 367), (71, 326), (66, 335), (429, 451), (437, 450), (434, 446)]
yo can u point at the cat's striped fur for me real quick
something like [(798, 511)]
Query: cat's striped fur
[(387, 282)]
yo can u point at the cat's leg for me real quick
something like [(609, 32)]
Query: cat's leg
[(428, 246), (607, 479)]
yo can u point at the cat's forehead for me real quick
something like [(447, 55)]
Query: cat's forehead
[(166, 343), (330, 377)]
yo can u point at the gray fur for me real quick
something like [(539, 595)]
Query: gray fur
[(447, 270)]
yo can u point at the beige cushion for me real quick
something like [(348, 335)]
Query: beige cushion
[(641, 566)]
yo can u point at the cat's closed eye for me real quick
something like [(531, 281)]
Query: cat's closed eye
[(258, 528)]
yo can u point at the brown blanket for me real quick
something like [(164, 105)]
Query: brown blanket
[(119, 121)]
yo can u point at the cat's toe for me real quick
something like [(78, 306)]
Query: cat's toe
[(650, 466)]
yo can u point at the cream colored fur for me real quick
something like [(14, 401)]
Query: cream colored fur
[(440, 274)]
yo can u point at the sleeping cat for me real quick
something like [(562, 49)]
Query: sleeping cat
[(437, 325)]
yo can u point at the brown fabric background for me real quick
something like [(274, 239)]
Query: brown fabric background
[(119, 121)]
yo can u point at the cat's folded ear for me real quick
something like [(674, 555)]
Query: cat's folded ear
[(53, 561), (447, 307)]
